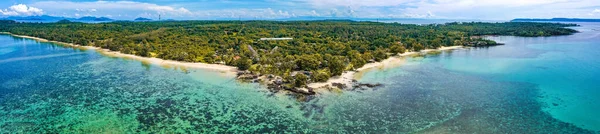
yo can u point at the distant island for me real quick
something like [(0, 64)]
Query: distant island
[(556, 20), (304, 52), (91, 18), (142, 19)]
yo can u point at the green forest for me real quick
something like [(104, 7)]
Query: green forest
[(321, 49)]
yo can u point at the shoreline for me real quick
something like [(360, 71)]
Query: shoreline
[(228, 70), (348, 78)]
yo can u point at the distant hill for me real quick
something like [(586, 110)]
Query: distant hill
[(558, 19), (91, 18), (142, 19), (64, 21)]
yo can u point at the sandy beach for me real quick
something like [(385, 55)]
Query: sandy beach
[(393, 61), (228, 70), (346, 78)]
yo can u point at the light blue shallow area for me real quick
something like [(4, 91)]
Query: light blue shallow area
[(564, 70)]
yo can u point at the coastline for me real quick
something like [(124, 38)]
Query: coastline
[(348, 78), (228, 70)]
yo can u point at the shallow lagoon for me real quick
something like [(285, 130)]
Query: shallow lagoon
[(530, 85)]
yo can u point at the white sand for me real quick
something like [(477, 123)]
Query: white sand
[(394, 61), (212, 67), (441, 49), (229, 70)]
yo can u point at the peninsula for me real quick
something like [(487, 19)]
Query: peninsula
[(284, 55)]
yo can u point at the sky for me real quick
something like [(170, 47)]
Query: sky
[(280, 9)]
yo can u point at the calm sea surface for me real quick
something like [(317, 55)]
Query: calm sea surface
[(529, 85)]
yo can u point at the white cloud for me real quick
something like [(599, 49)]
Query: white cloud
[(459, 9), (21, 9), (101, 8), (167, 9), (387, 3), (263, 13), (86, 10), (443, 9), (314, 13), (356, 3)]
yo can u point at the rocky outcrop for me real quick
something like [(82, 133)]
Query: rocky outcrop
[(364, 86), (274, 83), (246, 76), (339, 85), (306, 91)]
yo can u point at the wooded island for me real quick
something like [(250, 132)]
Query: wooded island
[(292, 53)]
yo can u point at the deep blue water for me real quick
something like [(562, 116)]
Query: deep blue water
[(529, 85)]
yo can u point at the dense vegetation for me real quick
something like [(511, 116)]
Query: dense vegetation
[(320, 49)]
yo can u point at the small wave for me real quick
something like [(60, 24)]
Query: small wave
[(37, 57), (6, 50)]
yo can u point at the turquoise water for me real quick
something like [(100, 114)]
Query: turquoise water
[(529, 85), (47, 88), (560, 73)]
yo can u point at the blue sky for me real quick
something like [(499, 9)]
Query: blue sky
[(276, 9)]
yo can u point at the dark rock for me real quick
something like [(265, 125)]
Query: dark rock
[(278, 80), (305, 91), (365, 86), (274, 87), (311, 90), (339, 85), (246, 77), (373, 85), (243, 72)]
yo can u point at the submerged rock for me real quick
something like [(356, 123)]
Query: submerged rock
[(339, 85), (364, 86)]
